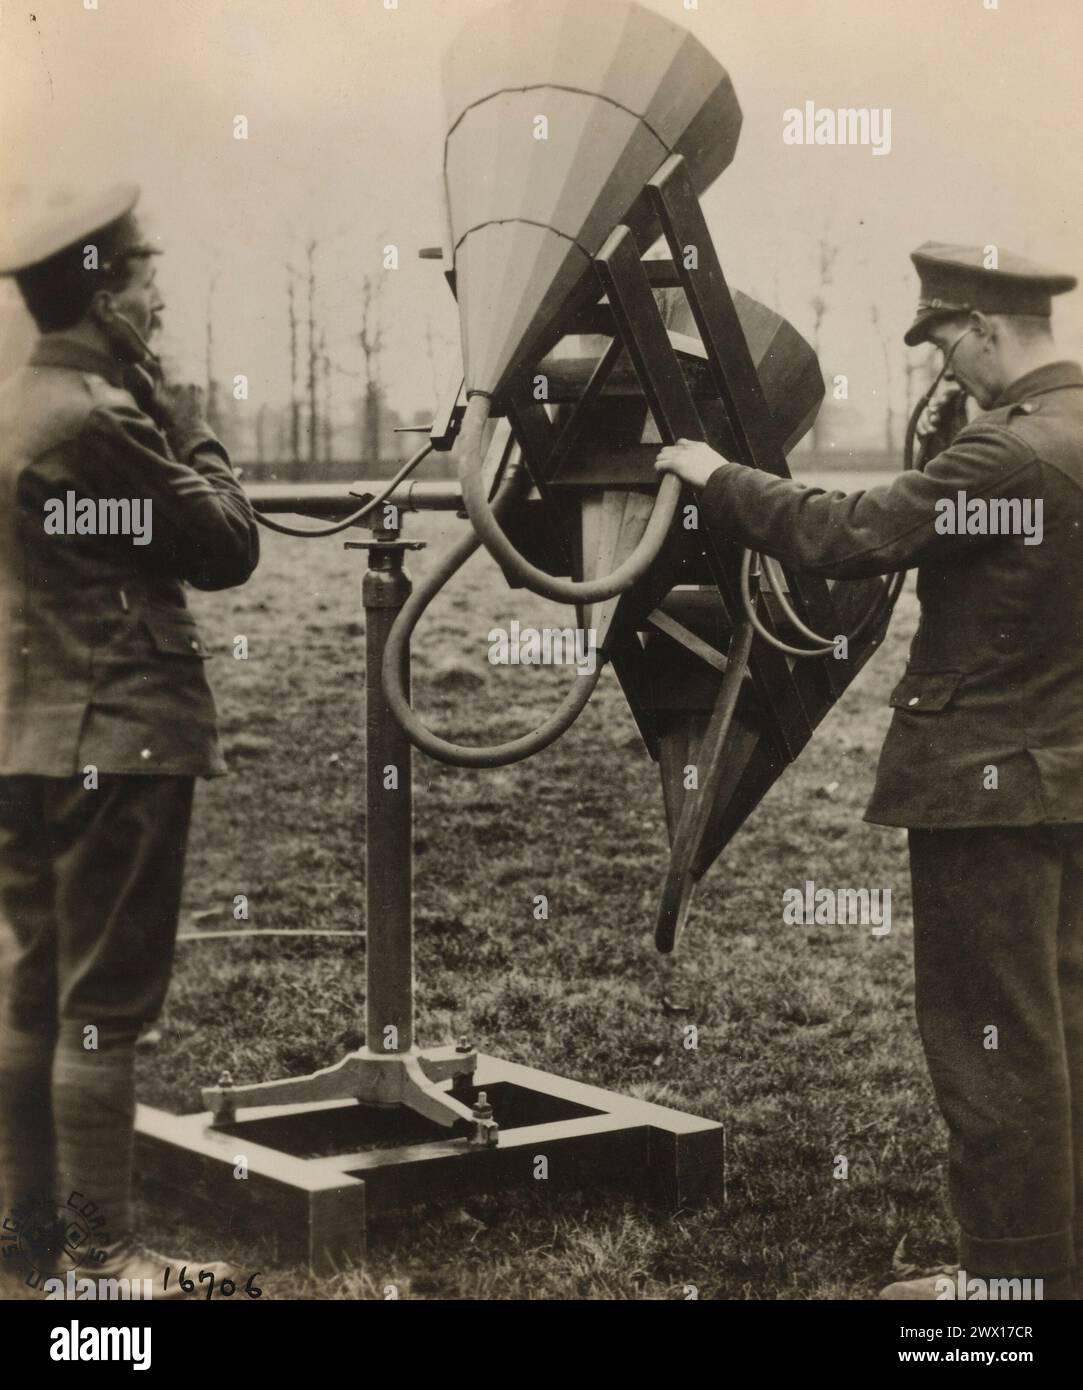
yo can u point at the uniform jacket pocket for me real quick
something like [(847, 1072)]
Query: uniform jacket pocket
[(176, 635), (925, 692)]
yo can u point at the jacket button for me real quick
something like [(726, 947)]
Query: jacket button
[(912, 700), (194, 644), (145, 754)]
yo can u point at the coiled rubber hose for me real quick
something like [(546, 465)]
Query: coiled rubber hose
[(487, 526), (883, 604), (423, 738)]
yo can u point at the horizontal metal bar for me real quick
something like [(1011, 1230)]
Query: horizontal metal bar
[(339, 499)]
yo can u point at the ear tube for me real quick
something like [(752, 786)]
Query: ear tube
[(132, 348), (882, 604), (919, 409), (488, 529), (398, 641)]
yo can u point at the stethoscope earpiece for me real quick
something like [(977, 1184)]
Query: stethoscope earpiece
[(114, 314), (919, 409)]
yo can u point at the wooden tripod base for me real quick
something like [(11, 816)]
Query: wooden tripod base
[(316, 1172)]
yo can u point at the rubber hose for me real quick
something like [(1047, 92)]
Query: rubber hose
[(354, 517), (487, 526), (423, 738)]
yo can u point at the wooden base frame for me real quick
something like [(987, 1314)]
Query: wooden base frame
[(317, 1172)]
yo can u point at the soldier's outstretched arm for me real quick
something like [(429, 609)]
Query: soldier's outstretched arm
[(857, 534), (204, 529)]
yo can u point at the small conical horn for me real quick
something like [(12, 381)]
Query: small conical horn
[(558, 114)]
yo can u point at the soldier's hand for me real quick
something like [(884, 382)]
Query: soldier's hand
[(691, 460), (941, 409), (180, 406)]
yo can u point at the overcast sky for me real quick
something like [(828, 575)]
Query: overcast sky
[(345, 119)]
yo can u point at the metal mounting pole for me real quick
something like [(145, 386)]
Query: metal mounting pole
[(389, 1070), (389, 954)]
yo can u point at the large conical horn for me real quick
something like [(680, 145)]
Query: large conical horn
[(557, 116)]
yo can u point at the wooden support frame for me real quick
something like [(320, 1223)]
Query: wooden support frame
[(317, 1208), (789, 696), (677, 206), (640, 323)]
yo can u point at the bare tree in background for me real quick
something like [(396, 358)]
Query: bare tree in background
[(914, 368), (325, 372), (827, 253), (441, 351), (261, 433), (313, 357), (430, 353), (889, 384), (371, 339), (214, 414), (295, 404)]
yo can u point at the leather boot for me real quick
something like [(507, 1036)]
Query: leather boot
[(94, 1108), (26, 1125), (94, 1116)]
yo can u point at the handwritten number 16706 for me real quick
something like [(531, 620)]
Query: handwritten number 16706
[(226, 1289)]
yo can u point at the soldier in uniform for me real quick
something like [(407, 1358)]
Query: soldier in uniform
[(106, 717), (983, 762)]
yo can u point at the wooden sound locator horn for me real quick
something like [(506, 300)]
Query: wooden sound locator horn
[(578, 136)]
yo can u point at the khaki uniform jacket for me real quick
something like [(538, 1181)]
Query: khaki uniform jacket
[(995, 676), (101, 663)]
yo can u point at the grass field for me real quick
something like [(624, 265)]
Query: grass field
[(807, 1047)]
